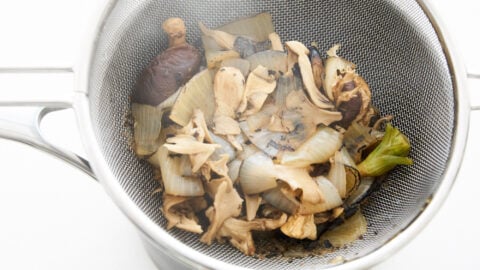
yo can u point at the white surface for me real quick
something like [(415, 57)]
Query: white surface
[(55, 217)]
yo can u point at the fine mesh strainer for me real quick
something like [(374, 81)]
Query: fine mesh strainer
[(401, 53)]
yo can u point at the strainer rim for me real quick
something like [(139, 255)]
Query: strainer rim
[(168, 244)]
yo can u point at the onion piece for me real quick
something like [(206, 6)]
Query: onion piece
[(317, 149), (272, 60), (215, 58), (197, 93), (225, 125), (224, 149), (331, 197), (276, 42), (257, 27), (362, 191), (245, 36), (347, 158), (252, 203), (177, 175), (148, 124), (351, 230), (238, 63), (352, 179), (165, 133), (234, 169), (271, 143), (337, 174), (300, 180), (262, 118), (257, 174), (285, 85), (283, 198)]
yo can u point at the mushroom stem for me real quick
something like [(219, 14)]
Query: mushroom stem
[(175, 28)]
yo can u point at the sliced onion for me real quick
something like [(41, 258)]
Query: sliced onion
[(257, 174), (197, 93), (148, 123), (317, 149), (337, 174), (267, 141), (283, 198), (300, 179), (346, 233), (234, 169), (285, 85), (331, 198), (347, 158), (361, 192), (176, 175), (239, 63), (257, 27), (352, 179), (262, 118), (273, 60), (225, 149), (252, 203)]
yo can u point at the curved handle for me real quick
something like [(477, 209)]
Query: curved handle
[(474, 91), (31, 94)]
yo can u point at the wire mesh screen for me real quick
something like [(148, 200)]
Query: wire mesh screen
[(394, 46)]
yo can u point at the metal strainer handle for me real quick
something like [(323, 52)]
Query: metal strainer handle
[(473, 85), (21, 111)]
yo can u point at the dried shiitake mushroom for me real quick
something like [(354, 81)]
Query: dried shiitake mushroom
[(158, 82), (169, 70)]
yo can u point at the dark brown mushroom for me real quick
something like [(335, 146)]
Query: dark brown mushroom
[(169, 70)]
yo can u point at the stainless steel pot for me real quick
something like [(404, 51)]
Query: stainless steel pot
[(401, 49)]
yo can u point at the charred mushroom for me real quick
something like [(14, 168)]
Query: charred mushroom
[(352, 98), (227, 203), (300, 227), (299, 53), (334, 65), (181, 212), (239, 232)]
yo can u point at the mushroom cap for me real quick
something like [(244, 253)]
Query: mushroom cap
[(166, 73)]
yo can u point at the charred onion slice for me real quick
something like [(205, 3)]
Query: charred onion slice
[(317, 149)]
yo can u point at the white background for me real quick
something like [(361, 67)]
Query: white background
[(53, 216)]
